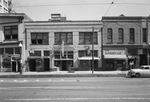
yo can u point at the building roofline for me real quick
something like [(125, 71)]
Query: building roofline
[(12, 14), (63, 21), (123, 17)]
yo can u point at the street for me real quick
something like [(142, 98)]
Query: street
[(77, 89)]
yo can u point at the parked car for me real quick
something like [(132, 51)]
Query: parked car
[(143, 70)]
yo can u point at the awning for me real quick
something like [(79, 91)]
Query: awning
[(115, 56), (88, 58)]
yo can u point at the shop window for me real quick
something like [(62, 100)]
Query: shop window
[(39, 38), (109, 35), (67, 37), (1, 51), (46, 53), (84, 53), (17, 50), (67, 54), (11, 32), (9, 50), (36, 53), (132, 35), (86, 37)]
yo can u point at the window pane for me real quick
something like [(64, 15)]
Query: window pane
[(45, 39), (109, 35), (81, 38), (7, 32), (15, 31), (1, 51), (46, 53), (17, 50), (33, 36), (132, 35), (57, 38), (9, 50), (144, 35), (39, 36)]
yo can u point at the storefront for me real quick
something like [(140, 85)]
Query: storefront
[(115, 60), (85, 63)]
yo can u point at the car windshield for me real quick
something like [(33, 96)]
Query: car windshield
[(142, 67)]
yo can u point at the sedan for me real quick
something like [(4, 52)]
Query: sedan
[(143, 70)]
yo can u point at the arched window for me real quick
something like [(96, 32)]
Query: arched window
[(132, 35), (109, 35), (120, 35)]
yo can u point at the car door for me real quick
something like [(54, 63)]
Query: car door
[(146, 71)]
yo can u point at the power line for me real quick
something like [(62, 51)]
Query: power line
[(109, 7), (84, 4)]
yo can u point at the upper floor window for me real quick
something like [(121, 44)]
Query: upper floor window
[(132, 35), (121, 35), (144, 35), (87, 38), (11, 32), (66, 37), (82, 53), (39, 38), (109, 35)]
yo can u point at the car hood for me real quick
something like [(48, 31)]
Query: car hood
[(136, 69)]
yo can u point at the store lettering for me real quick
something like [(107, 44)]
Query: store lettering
[(113, 53)]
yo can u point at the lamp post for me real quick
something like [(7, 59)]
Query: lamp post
[(20, 45)]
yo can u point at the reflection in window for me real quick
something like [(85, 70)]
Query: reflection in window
[(67, 37), (39, 38), (87, 37)]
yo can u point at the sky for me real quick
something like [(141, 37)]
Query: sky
[(41, 10)]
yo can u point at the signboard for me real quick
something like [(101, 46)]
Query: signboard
[(114, 52)]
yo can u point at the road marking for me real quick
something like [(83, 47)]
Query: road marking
[(60, 99)]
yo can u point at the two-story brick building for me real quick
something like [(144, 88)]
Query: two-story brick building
[(57, 43), (125, 39)]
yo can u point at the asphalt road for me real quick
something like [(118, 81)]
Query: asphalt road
[(84, 89)]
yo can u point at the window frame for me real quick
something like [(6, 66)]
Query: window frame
[(39, 38), (132, 35), (120, 35), (109, 35), (9, 33), (86, 38), (67, 37)]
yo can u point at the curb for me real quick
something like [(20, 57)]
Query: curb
[(62, 75)]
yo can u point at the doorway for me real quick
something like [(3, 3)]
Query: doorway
[(32, 64), (14, 66), (46, 64)]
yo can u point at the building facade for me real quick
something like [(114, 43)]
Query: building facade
[(5, 6), (11, 35), (125, 40), (57, 44)]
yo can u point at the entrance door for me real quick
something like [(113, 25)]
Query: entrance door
[(13, 66), (64, 65), (46, 64), (32, 64)]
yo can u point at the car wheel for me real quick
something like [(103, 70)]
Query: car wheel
[(129, 75), (137, 75)]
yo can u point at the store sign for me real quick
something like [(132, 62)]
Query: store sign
[(114, 52)]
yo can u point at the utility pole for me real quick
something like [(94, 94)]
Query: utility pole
[(92, 49), (147, 31)]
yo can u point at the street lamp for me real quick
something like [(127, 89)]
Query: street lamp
[(20, 45)]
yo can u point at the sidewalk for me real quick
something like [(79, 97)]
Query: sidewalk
[(63, 74)]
